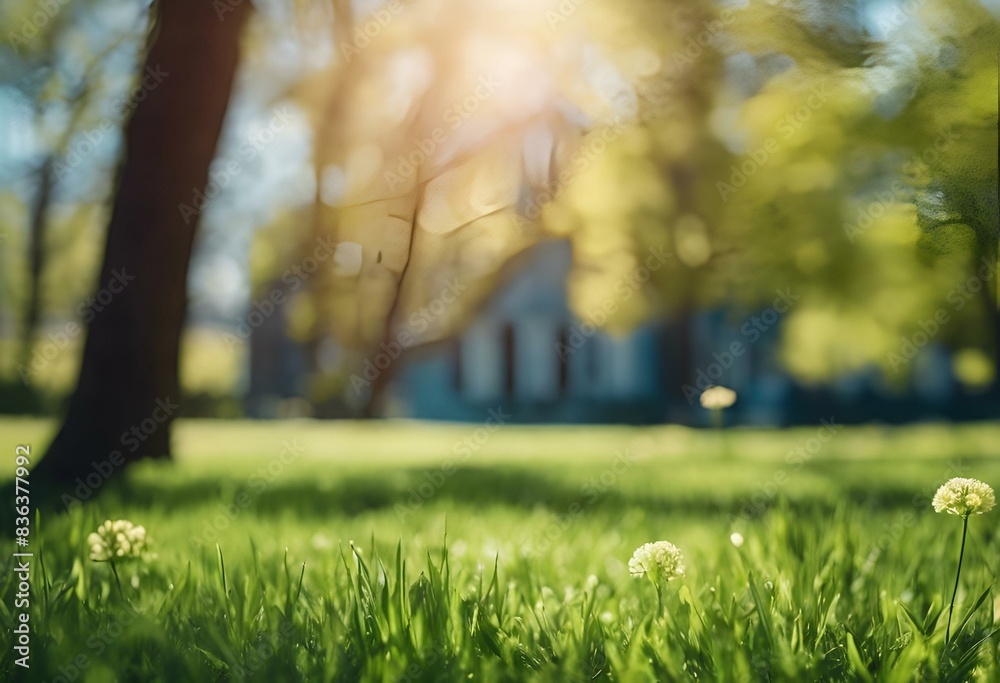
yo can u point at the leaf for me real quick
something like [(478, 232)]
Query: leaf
[(911, 617), (764, 612), (968, 616), (854, 657), (222, 571)]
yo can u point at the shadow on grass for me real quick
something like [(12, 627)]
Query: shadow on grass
[(690, 493)]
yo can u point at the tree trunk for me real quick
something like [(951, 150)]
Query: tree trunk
[(128, 391), (36, 258)]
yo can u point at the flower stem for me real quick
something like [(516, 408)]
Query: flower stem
[(719, 424), (954, 593), (114, 570), (717, 418)]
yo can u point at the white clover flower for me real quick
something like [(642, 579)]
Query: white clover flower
[(961, 496), (717, 397), (736, 538), (660, 561), (117, 540)]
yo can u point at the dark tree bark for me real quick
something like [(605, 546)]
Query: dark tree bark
[(128, 391), (36, 261)]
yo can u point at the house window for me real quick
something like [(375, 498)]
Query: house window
[(508, 359), (456, 363), (591, 357), (563, 355), (480, 355)]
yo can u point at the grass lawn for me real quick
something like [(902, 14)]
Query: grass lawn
[(504, 555)]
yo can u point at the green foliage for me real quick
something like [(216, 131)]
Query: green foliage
[(856, 169)]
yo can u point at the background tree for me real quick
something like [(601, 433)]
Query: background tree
[(856, 166), (59, 74), (129, 375)]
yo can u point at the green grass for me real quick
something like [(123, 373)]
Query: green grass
[(514, 565)]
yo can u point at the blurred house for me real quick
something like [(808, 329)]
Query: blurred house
[(529, 355)]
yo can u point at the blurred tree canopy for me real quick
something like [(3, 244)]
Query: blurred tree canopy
[(844, 152), (851, 162)]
